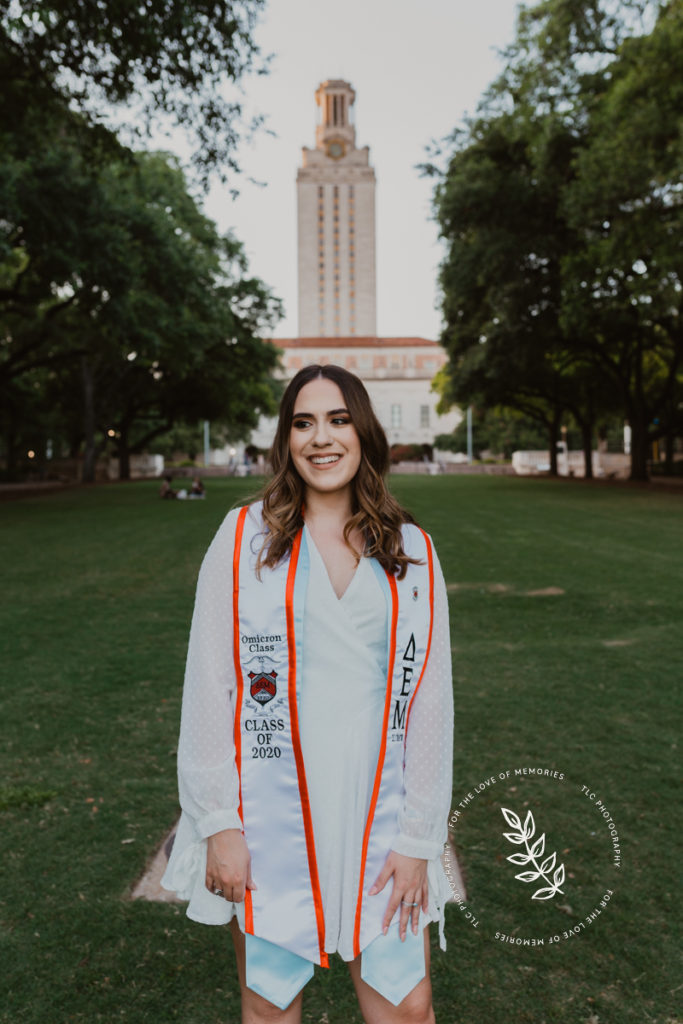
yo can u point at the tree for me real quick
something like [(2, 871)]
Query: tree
[(540, 315), (120, 305), (625, 283), (118, 296), (498, 207), (173, 59), (48, 243), (175, 332)]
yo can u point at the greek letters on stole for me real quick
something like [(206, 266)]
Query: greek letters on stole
[(274, 807)]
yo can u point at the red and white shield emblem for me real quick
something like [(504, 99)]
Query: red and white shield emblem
[(263, 686)]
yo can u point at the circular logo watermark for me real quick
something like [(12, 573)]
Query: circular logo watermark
[(543, 853)]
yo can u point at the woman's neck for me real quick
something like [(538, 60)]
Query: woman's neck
[(328, 510)]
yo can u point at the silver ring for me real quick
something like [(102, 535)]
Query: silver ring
[(218, 892), (410, 904)]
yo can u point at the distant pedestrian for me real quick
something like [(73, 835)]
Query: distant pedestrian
[(166, 490)]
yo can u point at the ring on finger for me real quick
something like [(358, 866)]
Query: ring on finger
[(406, 904)]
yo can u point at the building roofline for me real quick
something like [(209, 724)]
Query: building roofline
[(355, 342)]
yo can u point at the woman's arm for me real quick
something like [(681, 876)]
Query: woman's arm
[(207, 775), (427, 778), (428, 772)]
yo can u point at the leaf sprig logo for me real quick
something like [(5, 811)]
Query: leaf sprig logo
[(524, 833)]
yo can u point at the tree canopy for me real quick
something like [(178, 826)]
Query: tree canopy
[(123, 310), (561, 210), (150, 60)]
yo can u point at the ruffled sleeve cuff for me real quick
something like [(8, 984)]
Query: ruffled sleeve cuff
[(217, 821), (426, 849), (185, 875)]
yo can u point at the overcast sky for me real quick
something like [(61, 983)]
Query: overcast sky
[(417, 69)]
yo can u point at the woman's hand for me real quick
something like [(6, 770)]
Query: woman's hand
[(410, 887), (228, 864)]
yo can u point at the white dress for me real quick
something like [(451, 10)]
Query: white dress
[(341, 703), (342, 706)]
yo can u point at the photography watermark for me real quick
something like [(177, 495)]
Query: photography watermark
[(567, 870), (522, 834)]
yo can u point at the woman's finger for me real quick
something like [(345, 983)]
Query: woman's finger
[(381, 880), (236, 892), (407, 909), (392, 906), (416, 917)]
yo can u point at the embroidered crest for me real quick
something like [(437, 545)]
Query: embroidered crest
[(414, 593), (263, 687)]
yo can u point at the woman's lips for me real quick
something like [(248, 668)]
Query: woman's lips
[(324, 461)]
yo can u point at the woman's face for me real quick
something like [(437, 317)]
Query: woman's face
[(323, 442)]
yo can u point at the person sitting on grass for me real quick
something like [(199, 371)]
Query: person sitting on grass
[(166, 491), (197, 490)]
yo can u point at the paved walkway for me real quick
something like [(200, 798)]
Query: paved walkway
[(8, 492)]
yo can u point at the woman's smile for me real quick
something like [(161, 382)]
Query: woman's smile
[(324, 460), (323, 442)]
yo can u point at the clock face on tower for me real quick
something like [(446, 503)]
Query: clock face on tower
[(335, 149)]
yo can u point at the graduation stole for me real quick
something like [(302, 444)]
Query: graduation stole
[(287, 909)]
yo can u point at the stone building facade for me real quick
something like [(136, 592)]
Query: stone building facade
[(397, 373), (336, 224), (337, 286)]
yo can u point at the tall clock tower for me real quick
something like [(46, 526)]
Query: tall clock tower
[(336, 224)]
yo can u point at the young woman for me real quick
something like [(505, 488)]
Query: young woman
[(315, 752)]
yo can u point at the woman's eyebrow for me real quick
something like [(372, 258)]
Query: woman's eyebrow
[(310, 415)]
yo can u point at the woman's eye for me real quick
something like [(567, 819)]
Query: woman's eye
[(340, 420), (301, 424)]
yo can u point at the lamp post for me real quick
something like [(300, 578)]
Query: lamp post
[(565, 451), (469, 434), (207, 453)]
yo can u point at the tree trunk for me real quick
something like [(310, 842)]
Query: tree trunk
[(639, 421), (639, 449), (11, 442), (124, 455), (669, 444), (587, 440), (90, 452), (554, 430)]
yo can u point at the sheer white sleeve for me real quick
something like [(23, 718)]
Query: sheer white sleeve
[(428, 771), (208, 782)]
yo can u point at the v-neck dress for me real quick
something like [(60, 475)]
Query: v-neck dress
[(340, 719), (345, 648)]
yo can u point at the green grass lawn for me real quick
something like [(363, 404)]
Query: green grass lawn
[(98, 594)]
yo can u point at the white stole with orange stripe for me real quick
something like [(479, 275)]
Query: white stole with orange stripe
[(286, 909)]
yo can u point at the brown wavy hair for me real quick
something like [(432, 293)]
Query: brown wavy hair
[(375, 512)]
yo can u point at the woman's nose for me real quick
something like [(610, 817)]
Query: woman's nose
[(322, 434)]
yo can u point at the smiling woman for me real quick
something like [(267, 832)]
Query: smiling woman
[(323, 443), (343, 422), (315, 771)]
